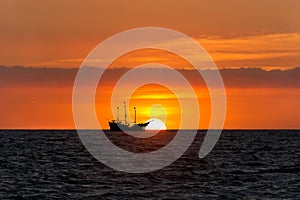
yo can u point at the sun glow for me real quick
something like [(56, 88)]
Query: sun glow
[(164, 106), (156, 124)]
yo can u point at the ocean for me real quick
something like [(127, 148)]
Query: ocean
[(244, 164)]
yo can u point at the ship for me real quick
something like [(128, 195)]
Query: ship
[(118, 125)]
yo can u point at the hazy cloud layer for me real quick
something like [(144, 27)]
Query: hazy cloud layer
[(62, 77)]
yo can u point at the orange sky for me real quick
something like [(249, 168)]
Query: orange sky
[(237, 34)]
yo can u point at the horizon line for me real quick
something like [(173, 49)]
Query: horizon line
[(227, 129)]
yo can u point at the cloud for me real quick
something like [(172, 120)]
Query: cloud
[(265, 50), (64, 77), (19, 76), (259, 78), (281, 50)]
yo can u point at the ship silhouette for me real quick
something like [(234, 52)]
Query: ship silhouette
[(118, 125)]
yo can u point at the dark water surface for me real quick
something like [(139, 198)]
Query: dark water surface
[(244, 164)]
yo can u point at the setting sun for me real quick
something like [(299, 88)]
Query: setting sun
[(156, 124)]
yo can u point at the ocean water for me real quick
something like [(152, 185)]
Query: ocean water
[(48, 164)]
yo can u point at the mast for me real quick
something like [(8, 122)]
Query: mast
[(134, 115), (125, 112), (118, 114)]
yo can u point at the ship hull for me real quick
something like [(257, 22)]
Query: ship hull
[(117, 126)]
